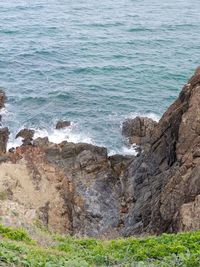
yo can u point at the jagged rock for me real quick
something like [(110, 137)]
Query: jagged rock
[(138, 130), (77, 189), (62, 124), (26, 134), (167, 176), (4, 135), (2, 99), (41, 141)]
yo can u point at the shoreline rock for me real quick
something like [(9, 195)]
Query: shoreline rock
[(78, 189), (139, 130), (26, 135), (4, 135), (62, 124)]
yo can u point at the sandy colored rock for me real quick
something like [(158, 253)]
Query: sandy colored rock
[(4, 135)]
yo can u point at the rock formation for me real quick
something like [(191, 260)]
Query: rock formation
[(167, 177), (26, 135), (62, 124), (4, 134), (78, 189), (139, 130)]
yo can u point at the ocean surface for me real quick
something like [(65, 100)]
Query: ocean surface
[(94, 63)]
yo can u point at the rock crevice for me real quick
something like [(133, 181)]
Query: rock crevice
[(78, 189)]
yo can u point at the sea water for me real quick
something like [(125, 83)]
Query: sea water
[(94, 63)]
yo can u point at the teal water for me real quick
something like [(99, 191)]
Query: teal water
[(94, 62)]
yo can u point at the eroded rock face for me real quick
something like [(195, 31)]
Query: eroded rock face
[(168, 176), (26, 135), (71, 188), (139, 130), (4, 135), (78, 189)]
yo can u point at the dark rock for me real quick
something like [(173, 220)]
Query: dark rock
[(62, 124), (4, 135), (139, 130), (2, 99), (11, 150), (96, 195), (3, 159)]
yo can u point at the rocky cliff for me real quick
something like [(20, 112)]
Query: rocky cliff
[(78, 189)]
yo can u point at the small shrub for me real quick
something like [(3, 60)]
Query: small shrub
[(14, 234)]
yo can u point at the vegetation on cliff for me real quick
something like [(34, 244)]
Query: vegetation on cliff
[(17, 248)]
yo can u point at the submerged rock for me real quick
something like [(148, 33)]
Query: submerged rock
[(62, 124), (4, 135)]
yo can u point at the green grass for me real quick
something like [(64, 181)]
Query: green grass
[(17, 248)]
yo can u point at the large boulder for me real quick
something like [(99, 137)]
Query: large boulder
[(26, 135), (4, 135), (62, 124), (138, 130)]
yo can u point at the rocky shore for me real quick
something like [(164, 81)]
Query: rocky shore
[(78, 189)]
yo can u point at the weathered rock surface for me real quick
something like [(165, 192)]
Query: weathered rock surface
[(62, 124), (78, 189), (26, 135), (139, 130), (71, 188), (4, 134), (168, 176)]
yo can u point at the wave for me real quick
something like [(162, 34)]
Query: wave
[(150, 115), (69, 134), (76, 135)]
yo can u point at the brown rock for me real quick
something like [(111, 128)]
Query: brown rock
[(77, 189), (139, 130), (4, 135), (188, 217)]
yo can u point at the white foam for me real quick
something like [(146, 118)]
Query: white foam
[(125, 151), (150, 115), (5, 112), (69, 134), (13, 143)]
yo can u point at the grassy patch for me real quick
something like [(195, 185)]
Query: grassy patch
[(167, 250), (15, 234)]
